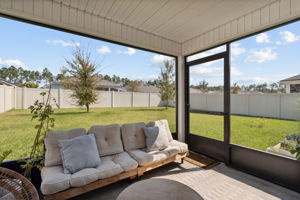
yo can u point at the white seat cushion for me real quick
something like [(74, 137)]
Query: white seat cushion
[(162, 122), (83, 177), (108, 168), (133, 136), (172, 150), (183, 147), (53, 156), (54, 180), (108, 139), (147, 158), (125, 161)]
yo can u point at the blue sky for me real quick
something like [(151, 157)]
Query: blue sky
[(267, 57), (33, 47)]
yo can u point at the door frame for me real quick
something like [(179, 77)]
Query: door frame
[(208, 146)]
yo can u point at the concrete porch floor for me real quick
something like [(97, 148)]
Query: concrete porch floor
[(220, 182)]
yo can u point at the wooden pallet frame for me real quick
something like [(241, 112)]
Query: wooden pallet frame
[(132, 174)]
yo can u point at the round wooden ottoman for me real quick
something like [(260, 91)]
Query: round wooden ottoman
[(158, 189)]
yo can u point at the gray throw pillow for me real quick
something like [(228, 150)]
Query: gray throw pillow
[(156, 137), (79, 153)]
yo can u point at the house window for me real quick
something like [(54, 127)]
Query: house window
[(295, 88)]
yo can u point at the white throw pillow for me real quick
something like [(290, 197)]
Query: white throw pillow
[(156, 138), (79, 153)]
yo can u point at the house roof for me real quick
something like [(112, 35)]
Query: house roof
[(144, 88), (293, 78), (5, 82), (105, 83), (195, 91)]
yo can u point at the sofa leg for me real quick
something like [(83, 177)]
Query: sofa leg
[(181, 161), (138, 178), (132, 178)]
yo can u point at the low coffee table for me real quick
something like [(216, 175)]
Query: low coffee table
[(158, 189)]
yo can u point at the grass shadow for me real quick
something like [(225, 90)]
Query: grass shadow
[(69, 113), (152, 109), (25, 115)]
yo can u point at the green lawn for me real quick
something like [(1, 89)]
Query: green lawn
[(17, 132)]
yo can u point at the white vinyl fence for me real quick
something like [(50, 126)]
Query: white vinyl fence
[(22, 98), (284, 106)]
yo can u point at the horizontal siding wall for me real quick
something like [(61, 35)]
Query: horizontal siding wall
[(278, 12), (64, 16)]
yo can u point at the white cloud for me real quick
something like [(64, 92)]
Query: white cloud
[(144, 77), (278, 42), (235, 71), (289, 37), (160, 58), (12, 62), (130, 51), (207, 71), (263, 38), (213, 71), (63, 43), (236, 49), (104, 50), (262, 55)]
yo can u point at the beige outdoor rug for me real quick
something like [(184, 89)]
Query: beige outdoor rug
[(222, 182)]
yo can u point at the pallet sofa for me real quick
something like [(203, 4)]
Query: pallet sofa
[(122, 153)]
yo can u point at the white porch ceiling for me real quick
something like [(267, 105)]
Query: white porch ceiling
[(177, 20), (171, 26)]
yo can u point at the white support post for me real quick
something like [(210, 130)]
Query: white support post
[(60, 98), (24, 98), (112, 98), (132, 99), (149, 99), (181, 107), (15, 97), (4, 98)]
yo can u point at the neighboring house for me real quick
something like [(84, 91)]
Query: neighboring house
[(292, 84), (103, 85), (5, 82), (195, 91), (56, 85), (142, 87)]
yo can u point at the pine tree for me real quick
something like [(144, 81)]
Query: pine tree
[(84, 78), (166, 82)]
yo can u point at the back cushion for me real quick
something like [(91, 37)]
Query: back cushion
[(53, 156), (162, 122), (108, 139), (133, 136)]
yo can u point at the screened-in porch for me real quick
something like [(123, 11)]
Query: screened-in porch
[(232, 127)]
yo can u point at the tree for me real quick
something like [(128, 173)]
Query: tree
[(235, 88), (19, 76), (47, 75), (274, 87), (167, 82), (203, 86), (83, 78), (30, 85), (134, 85)]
